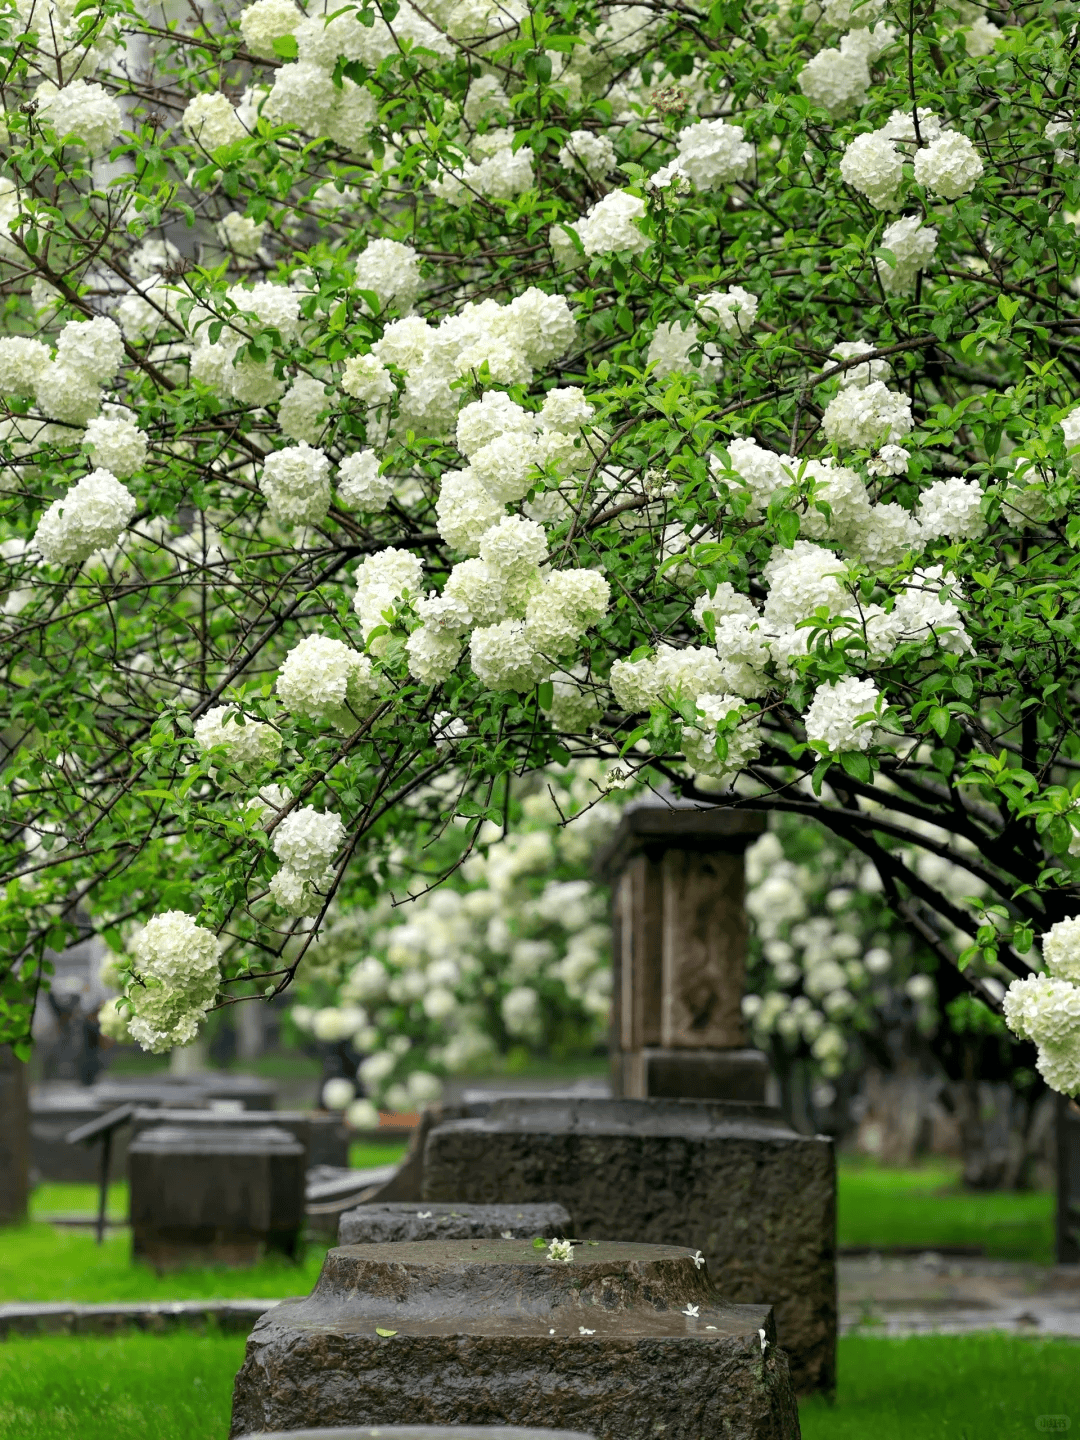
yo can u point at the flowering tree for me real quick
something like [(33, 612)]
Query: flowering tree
[(436, 391)]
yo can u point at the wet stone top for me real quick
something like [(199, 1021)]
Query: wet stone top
[(421, 1432), (442, 1220), (661, 1118), (204, 1140), (608, 1290)]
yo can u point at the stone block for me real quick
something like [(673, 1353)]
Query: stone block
[(422, 1432), (734, 1180), (625, 1341), (383, 1222), (215, 1196)]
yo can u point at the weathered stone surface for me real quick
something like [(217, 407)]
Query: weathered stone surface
[(202, 1196), (423, 1432), (440, 1220), (623, 1341), (758, 1198)]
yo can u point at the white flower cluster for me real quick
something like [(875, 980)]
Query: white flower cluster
[(836, 717), (91, 516), (866, 416), (248, 744), (88, 355), (81, 110), (266, 21), (699, 742), (501, 174), (307, 840), (326, 681), (1046, 1008), (952, 509), (300, 410), (116, 443), (241, 234), (382, 582), (360, 483), (671, 347), (175, 980), (589, 152), (211, 121), (946, 161), (296, 483), (912, 245), (731, 310), (21, 363), (611, 225), (712, 153), (392, 271)]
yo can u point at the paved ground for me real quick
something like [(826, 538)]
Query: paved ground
[(916, 1294)]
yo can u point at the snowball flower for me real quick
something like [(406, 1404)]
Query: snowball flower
[(836, 80), (92, 515), (1061, 949), (117, 444), (303, 95), (359, 482), (712, 153), (381, 582), (294, 894), (570, 602), (486, 419), (65, 392), (392, 271), (22, 362), (504, 657), (248, 743), (1046, 1009), (565, 410), (465, 509), (950, 166), (699, 742), (176, 980), (266, 21), (300, 408), (610, 225), (92, 348), (588, 152), (296, 483), (241, 234), (834, 711), (212, 122), (913, 245), (307, 841), (83, 111), (326, 681), (952, 508), (872, 165), (275, 306), (366, 378), (731, 310), (870, 415)]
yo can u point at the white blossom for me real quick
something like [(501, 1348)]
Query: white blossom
[(589, 152), (300, 407), (83, 110), (92, 348), (699, 742), (212, 122), (174, 963), (836, 80), (952, 509), (22, 362), (565, 410), (571, 602), (366, 378), (835, 710), (712, 153), (360, 483), (1061, 949), (950, 166), (92, 515), (327, 681), (504, 657), (307, 841), (117, 444), (266, 21), (392, 271), (296, 483), (913, 245), (382, 581), (248, 744), (872, 165), (731, 310), (240, 233), (610, 225), (860, 417)]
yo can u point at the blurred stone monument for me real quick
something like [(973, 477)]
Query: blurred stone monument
[(1068, 1181), (14, 1138), (679, 953)]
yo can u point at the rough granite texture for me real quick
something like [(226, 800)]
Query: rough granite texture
[(734, 1180), (440, 1220), (624, 1341), (422, 1432)]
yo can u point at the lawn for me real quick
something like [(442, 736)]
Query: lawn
[(971, 1387), (925, 1206)]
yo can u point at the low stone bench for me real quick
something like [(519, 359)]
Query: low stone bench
[(439, 1220), (626, 1340)]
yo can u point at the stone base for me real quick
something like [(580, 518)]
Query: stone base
[(423, 1432), (438, 1220), (625, 1341), (690, 1074), (733, 1180)]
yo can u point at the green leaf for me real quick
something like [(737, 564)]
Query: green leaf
[(940, 719), (545, 694), (539, 1243), (819, 773), (386, 1334), (857, 765), (788, 527)]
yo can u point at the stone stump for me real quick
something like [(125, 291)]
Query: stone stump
[(14, 1139), (422, 1432), (438, 1220), (679, 953), (202, 1196), (731, 1179), (625, 1341)]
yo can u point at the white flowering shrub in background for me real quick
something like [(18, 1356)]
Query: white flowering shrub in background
[(457, 390), (513, 955)]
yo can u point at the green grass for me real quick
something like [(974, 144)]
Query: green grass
[(925, 1206), (970, 1387), (362, 1156), (126, 1387), (947, 1387)]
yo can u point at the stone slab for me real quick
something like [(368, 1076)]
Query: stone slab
[(441, 1220), (624, 1341), (734, 1180), (422, 1432), (65, 1318)]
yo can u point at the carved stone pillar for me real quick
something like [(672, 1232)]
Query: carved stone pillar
[(679, 951)]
